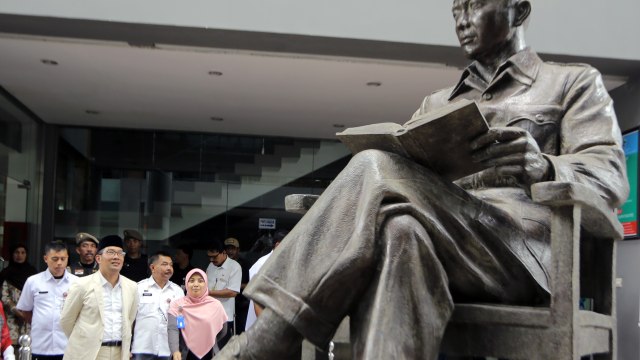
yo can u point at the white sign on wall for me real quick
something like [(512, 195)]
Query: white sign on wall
[(267, 223)]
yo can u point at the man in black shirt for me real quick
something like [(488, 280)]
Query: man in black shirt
[(136, 265), (182, 265)]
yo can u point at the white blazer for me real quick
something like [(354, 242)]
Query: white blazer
[(83, 314)]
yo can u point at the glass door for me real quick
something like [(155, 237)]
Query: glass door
[(20, 178), (14, 200)]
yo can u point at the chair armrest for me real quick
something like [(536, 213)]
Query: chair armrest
[(299, 203), (598, 219)]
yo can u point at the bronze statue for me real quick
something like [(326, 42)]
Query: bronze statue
[(392, 244)]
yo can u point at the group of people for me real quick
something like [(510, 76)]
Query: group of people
[(92, 310), (135, 262)]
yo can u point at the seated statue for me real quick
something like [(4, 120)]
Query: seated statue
[(393, 245)]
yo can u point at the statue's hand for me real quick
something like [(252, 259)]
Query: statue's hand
[(511, 151)]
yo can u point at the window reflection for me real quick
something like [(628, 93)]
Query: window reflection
[(185, 187)]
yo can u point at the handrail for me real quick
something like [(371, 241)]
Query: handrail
[(25, 347)]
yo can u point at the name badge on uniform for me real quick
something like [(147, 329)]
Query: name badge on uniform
[(78, 271), (147, 298)]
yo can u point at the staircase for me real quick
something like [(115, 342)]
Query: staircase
[(193, 201)]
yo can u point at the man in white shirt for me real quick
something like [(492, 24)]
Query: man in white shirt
[(150, 341), (41, 302), (255, 309), (100, 309), (225, 277)]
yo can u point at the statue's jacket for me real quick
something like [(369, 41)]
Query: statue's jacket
[(567, 110)]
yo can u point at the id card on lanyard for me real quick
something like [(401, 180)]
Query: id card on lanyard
[(180, 319)]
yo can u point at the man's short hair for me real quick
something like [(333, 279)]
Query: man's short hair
[(216, 246), (187, 250), (56, 246), (153, 258)]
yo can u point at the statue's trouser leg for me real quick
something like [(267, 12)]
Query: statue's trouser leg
[(330, 264), (408, 303)]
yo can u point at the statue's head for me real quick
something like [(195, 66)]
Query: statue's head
[(490, 28)]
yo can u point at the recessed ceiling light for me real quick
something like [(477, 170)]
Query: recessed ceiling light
[(374, 83), (215, 118), (215, 73), (92, 112), (338, 126), (49, 62)]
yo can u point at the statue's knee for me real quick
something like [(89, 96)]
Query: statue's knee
[(403, 235), (402, 224), (370, 157)]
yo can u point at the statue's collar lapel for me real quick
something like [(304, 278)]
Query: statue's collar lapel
[(522, 67)]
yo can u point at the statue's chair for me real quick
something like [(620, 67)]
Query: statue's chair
[(583, 235)]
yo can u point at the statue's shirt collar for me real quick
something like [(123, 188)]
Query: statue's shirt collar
[(522, 67)]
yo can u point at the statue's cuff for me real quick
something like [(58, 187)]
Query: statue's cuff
[(292, 309)]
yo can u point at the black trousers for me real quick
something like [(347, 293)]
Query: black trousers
[(223, 339)]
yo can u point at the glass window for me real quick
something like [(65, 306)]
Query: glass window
[(19, 176), (185, 188)]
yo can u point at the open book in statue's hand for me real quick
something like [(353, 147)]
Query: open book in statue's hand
[(439, 140)]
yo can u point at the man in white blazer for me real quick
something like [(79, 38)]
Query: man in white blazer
[(99, 309)]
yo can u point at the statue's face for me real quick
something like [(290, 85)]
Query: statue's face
[(483, 26)]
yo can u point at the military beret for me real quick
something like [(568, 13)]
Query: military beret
[(132, 234), (83, 236)]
